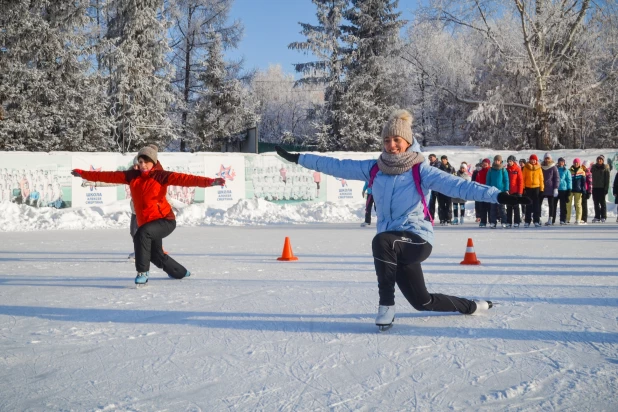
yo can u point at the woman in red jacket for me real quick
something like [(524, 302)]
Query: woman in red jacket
[(516, 188), (155, 218)]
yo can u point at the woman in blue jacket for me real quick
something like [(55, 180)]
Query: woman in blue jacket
[(405, 232)]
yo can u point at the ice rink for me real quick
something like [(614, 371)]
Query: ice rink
[(246, 332)]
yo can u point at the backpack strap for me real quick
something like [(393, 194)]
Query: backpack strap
[(416, 176)]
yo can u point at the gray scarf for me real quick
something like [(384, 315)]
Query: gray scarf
[(396, 164)]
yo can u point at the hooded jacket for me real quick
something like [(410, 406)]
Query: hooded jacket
[(447, 168), (578, 174), (551, 177), (600, 176), (398, 204), (516, 179), (533, 177), (566, 182), (498, 177), (148, 189)]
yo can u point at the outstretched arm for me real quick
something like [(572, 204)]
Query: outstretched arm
[(119, 177), (434, 179), (346, 169), (182, 179)]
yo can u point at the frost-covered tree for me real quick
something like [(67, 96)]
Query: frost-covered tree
[(140, 73), (371, 90), (194, 21), (285, 109), (324, 42), (225, 109), (540, 58), (49, 98)]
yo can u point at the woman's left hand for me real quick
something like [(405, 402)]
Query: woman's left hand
[(505, 199), (290, 157)]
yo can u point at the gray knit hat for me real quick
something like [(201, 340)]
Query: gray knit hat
[(497, 157), (150, 152), (399, 123)]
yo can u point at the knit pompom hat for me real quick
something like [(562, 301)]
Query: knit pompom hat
[(399, 123), (534, 157), (586, 163), (577, 160), (547, 156), (150, 152)]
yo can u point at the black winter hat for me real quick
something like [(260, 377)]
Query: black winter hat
[(511, 158), (444, 157), (561, 159)]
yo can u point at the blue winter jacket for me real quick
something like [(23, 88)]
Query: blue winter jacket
[(566, 182), (398, 204), (498, 178)]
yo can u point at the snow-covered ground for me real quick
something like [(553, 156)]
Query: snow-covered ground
[(247, 332)]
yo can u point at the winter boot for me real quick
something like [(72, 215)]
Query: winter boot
[(492, 226), (482, 306), (385, 318), (595, 220), (141, 278)]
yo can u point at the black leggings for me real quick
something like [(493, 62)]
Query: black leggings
[(397, 257), (148, 244)]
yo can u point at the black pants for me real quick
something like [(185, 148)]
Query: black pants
[(477, 210), (368, 207), (133, 226), (510, 211), (457, 207), (445, 212), (535, 207), (397, 257), (495, 210), (585, 206), (484, 210), (148, 243), (432, 204), (598, 200), (552, 202), (563, 198)]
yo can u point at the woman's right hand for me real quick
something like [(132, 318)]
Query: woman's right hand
[(290, 157)]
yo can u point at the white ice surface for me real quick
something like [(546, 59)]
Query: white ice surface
[(247, 332)]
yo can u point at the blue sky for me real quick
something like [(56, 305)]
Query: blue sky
[(270, 25)]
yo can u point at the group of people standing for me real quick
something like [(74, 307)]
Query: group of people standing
[(567, 187)]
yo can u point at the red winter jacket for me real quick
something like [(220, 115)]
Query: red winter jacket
[(481, 176), (148, 189), (516, 179)]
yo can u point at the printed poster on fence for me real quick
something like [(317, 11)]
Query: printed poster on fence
[(232, 169), (92, 193), (344, 190)]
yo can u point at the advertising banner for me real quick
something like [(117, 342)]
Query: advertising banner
[(232, 169), (94, 193), (36, 179)]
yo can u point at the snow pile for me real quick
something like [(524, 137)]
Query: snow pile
[(15, 217)]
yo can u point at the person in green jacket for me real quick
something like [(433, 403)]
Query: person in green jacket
[(498, 177)]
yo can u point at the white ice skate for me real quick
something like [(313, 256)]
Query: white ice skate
[(385, 318), (365, 224), (461, 220), (482, 306)]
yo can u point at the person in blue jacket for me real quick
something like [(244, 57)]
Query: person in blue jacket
[(498, 177), (405, 232), (564, 189)]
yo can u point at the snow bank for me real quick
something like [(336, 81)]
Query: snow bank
[(15, 217)]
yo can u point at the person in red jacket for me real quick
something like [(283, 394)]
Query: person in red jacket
[(155, 218), (516, 188), (481, 178)]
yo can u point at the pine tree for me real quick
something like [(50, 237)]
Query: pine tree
[(324, 42), (50, 101), (140, 74), (370, 88), (225, 110)]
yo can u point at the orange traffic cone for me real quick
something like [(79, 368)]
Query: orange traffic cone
[(287, 254), (470, 256)]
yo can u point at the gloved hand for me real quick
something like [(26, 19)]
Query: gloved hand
[(588, 196), (555, 192), (568, 194), (363, 195), (506, 199), (219, 181), (77, 172), (290, 157)]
